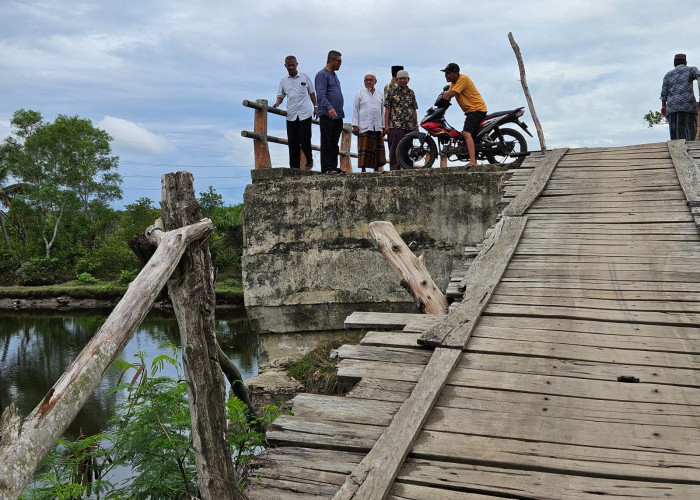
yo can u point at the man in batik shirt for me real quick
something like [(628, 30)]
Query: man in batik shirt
[(678, 103), (400, 116)]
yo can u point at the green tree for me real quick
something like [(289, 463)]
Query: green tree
[(226, 244), (653, 118), (62, 166)]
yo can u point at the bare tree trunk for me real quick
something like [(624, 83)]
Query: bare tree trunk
[(530, 104), (411, 269), (25, 442), (191, 291), (5, 236)]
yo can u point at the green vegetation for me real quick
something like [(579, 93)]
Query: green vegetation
[(57, 180), (150, 435), (653, 118), (318, 371)]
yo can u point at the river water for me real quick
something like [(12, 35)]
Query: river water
[(36, 348)]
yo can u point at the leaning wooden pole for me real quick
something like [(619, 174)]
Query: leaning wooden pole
[(191, 290), (411, 269), (26, 441), (530, 104)]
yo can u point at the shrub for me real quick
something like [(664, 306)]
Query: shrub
[(126, 277), (87, 278), (40, 271)]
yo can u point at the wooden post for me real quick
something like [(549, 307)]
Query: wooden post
[(260, 147), (530, 104), (345, 143), (411, 269), (191, 290), (25, 442)]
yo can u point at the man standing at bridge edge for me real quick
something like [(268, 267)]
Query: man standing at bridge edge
[(301, 104), (330, 111), (678, 103)]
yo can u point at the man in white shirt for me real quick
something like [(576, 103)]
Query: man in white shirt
[(367, 124), (301, 105)]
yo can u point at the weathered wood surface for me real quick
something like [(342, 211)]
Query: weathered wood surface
[(535, 183), (481, 280), (25, 441), (581, 375), (411, 269), (191, 291)]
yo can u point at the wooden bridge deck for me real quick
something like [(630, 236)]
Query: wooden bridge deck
[(570, 370)]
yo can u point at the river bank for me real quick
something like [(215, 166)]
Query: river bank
[(73, 296)]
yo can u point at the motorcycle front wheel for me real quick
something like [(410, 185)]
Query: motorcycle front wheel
[(509, 145), (411, 153)]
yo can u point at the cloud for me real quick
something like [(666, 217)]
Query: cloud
[(133, 136)]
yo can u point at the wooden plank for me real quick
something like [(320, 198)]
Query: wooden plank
[(495, 370), (628, 356), (291, 431), (654, 317), (574, 301), (535, 183), (379, 320), (404, 491), (563, 339), (556, 457), (381, 389), (675, 332), (480, 281), (518, 403), (555, 385), (566, 430), (687, 170), (374, 476), (538, 484)]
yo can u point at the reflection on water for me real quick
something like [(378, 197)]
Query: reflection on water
[(37, 347)]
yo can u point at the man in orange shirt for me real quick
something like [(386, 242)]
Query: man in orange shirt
[(471, 102)]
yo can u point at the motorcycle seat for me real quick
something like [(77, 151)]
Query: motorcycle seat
[(500, 113)]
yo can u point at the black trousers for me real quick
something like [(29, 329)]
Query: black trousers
[(299, 138), (330, 135)]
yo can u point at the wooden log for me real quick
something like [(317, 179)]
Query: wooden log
[(25, 442), (686, 169), (411, 269), (530, 104), (191, 290)]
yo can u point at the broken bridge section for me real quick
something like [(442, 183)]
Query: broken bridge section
[(575, 375)]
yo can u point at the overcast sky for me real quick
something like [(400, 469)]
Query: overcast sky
[(166, 78)]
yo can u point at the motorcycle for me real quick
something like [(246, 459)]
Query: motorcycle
[(492, 142)]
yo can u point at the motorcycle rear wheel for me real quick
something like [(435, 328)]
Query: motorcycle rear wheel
[(412, 154), (509, 142)]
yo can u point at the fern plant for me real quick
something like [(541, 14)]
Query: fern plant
[(150, 436)]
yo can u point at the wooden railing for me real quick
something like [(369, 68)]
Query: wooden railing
[(261, 137)]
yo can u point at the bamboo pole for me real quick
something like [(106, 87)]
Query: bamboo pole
[(530, 104), (26, 441)]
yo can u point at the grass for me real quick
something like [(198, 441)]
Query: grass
[(318, 372)]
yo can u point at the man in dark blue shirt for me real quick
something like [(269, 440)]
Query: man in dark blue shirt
[(329, 98), (678, 103)]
